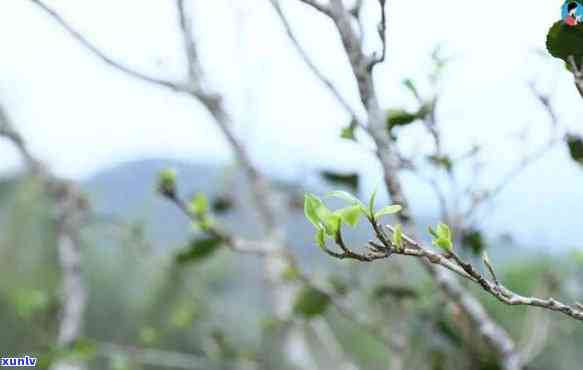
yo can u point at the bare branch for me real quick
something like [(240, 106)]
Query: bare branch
[(69, 209), (526, 162), (382, 31), (101, 55), (308, 61), (194, 68), (239, 245), (318, 6), (454, 262)]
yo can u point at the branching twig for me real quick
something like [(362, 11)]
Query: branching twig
[(526, 162), (318, 6), (382, 31), (104, 57), (310, 64), (452, 261), (236, 244), (495, 336)]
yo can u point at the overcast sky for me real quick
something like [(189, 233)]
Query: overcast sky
[(80, 115)]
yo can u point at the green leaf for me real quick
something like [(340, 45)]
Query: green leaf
[(167, 182), (350, 215), (443, 231), (311, 302), (199, 205), (442, 161), (442, 237), (198, 249), (320, 238), (388, 210), (474, 241), (398, 237), (349, 180), (320, 216), (332, 223), (346, 196), (564, 41), (444, 244), (400, 117), (348, 132), (222, 204), (311, 205), (410, 85), (575, 144)]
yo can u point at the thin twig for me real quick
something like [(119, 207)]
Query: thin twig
[(104, 57), (452, 261), (310, 64)]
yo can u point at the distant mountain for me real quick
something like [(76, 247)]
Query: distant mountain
[(127, 193)]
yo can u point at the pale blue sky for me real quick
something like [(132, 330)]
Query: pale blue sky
[(80, 115)]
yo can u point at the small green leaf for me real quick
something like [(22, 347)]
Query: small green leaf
[(442, 237), (443, 231), (444, 244), (398, 237), (199, 205), (198, 249), (332, 223), (350, 215), (346, 196), (311, 205), (167, 182), (410, 85), (575, 144), (349, 180), (388, 210), (473, 240), (320, 216), (311, 302), (400, 117), (320, 238), (222, 204), (442, 161), (348, 132)]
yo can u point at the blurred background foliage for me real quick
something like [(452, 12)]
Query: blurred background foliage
[(215, 309)]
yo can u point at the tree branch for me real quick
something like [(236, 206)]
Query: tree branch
[(318, 6), (452, 261), (495, 336), (69, 209), (104, 57), (310, 64)]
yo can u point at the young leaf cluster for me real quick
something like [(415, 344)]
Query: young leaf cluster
[(442, 237), (328, 223)]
